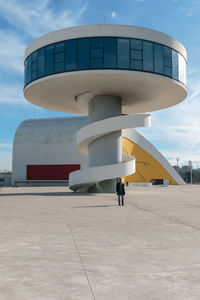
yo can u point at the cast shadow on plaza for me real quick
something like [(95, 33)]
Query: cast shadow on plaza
[(94, 206), (51, 194)]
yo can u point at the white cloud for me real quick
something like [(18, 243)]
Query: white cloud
[(113, 15), (189, 8), (11, 52), (38, 17), (10, 93), (28, 19), (184, 158)]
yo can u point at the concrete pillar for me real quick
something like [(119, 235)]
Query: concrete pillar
[(107, 149)]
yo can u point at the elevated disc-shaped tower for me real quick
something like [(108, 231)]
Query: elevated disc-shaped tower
[(111, 73)]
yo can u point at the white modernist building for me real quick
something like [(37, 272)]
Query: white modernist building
[(111, 73), (44, 150)]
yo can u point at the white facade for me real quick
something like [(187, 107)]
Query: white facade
[(106, 30), (53, 141), (46, 142)]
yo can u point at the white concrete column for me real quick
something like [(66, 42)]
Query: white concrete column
[(105, 150)]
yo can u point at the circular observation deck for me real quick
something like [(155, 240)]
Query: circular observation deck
[(145, 68)]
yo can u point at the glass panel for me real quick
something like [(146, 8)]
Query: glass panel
[(59, 57), (97, 42), (167, 51), (34, 66), (136, 44), (147, 56), (34, 56), (59, 67), (168, 71), (25, 72), (59, 47), (29, 69), (168, 61), (97, 63), (182, 69), (96, 53), (123, 57), (116, 53), (83, 53), (158, 59), (110, 51), (136, 54), (136, 64), (49, 50), (41, 62), (34, 75), (174, 64), (70, 55)]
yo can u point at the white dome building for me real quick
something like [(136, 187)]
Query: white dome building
[(45, 150)]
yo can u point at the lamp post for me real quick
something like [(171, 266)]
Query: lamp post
[(190, 168), (177, 160)]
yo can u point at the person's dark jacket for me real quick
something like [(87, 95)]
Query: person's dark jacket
[(117, 188)]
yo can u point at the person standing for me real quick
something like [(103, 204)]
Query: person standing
[(120, 191)]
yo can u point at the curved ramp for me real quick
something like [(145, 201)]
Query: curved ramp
[(96, 130)]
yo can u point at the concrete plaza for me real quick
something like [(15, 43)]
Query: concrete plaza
[(59, 245)]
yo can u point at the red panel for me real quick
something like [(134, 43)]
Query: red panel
[(50, 172)]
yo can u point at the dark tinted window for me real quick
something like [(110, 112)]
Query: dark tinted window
[(168, 71), (147, 56), (136, 44), (136, 65), (34, 66), (97, 42), (59, 47), (110, 51), (168, 61), (167, 52), (175, 64), (70, 55), (29, 69), (34, 56), (136, 54), (104, 53), (25, 72), (34, 75), (59, 67), (97, 64), (83, 53), (123, 56), (49, 54), (97, 53), (41, 62), (158, 59), (59, 57)]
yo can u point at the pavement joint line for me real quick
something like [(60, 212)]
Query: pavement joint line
[(168, 218), (81, 261)]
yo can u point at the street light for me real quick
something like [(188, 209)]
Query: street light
[(190, 168)]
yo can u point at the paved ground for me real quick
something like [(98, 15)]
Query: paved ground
[(61, 246)]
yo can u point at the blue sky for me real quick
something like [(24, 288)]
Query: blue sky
[(175, 131)]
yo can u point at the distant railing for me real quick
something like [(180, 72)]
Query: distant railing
[(41, 183)]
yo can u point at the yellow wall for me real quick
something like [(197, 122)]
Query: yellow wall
[(147, 167)]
